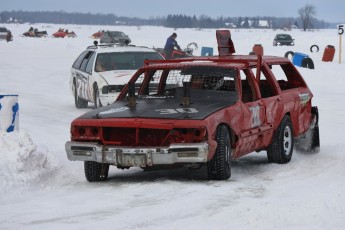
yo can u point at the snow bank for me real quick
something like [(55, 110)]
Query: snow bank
[(21, 163)]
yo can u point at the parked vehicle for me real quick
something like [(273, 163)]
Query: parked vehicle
[(101, 71), (3, 33), (283, 40), (199, 111), (114, 37)]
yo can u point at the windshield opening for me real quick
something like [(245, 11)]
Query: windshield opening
[(160, 83), (123, 61)]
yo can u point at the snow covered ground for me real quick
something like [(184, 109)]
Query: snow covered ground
[(41, 189)]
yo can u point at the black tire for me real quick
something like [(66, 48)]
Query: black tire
[(97, 102), (281, 148), (312, 48), (79, 102), (289, 53), (95, 171), (219, 168), (308, 63)]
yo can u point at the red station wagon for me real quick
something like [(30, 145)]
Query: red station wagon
[(199, 111)]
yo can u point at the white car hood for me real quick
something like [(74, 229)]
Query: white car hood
[(119, 77)]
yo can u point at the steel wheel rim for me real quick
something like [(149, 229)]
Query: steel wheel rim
[(227, 154), (287, 141)]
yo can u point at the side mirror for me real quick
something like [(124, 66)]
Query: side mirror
[(95, 43)]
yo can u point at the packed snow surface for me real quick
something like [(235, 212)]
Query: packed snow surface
[(41, 189)]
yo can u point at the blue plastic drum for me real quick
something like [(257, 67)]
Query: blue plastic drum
[(9, 113)]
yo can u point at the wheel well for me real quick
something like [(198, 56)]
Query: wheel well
[(94, 87), (233, 136)]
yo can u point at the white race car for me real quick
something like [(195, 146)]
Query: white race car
[(101, 71)]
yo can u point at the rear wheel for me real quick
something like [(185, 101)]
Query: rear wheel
[(219, 168), (95, 171), (281, 148), (78, 101)]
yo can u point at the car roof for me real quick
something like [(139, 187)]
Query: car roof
[(231, 61), (109, 48), (283, 35)]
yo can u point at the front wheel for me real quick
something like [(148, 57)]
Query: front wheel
[(95, 171), (281, 148), (219, 168), (78, 101), (97, 102)]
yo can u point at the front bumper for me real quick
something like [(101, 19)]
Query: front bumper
[(137, 156), (107, 99)]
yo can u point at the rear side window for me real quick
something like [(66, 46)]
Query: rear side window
[(90, 63), (85, 61), (286, 76), (79, 60)]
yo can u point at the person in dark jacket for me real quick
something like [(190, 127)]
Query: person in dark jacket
[(170, 44), (9, 36)]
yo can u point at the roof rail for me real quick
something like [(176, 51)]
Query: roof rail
[(103, 45), (254, 59)]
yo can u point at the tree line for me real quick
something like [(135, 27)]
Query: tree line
[(172, 20)]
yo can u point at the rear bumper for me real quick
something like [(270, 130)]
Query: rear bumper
[(137, 156)]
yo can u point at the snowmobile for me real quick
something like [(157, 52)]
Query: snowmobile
[(188, 52), (97, 35), (35, 33), (61, 33)]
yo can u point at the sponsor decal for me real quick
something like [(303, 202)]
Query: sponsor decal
[(179, 110), (117, 110)]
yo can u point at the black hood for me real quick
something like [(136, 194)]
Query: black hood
[(202, 104)]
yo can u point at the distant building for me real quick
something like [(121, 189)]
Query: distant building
[(13, 20), (230, 25), (252, 23)]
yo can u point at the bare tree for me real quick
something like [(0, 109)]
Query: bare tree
[(307, 14)]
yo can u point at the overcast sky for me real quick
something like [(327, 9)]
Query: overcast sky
[(328, 10)]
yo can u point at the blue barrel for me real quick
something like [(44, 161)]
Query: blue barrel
[(9, 113), (298, 58), (206, 51)]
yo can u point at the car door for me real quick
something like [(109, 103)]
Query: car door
[(83, 77), (271, 98), (253, 122)]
